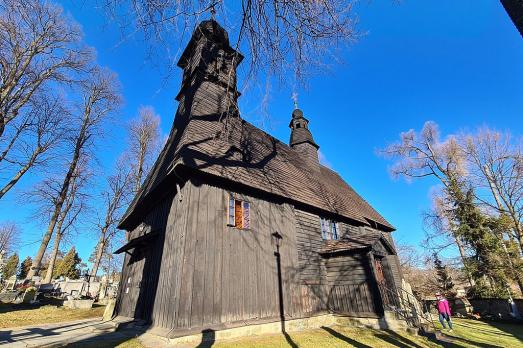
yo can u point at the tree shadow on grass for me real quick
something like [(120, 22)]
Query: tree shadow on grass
[(459, 342), (208, 339), (512, 328), (503, 329), (397, 340), (104, 340), (345, 338)]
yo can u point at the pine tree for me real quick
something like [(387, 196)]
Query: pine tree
[(10, 266), (444, 280), (25, 267), (480, 233), (69, 265)]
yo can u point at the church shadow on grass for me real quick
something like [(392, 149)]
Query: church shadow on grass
[(344, 338)]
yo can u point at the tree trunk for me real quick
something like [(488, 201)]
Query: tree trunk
[(99, 254), (54, 254), (2, 125), (495, 190), (80, 141), (19, 174), (461, 249), (139, 171)]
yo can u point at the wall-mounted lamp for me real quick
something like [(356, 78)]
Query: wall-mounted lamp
[(277, 239)]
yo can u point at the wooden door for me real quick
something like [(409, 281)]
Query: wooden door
[(131, 284), (380, 276), (385, 284)]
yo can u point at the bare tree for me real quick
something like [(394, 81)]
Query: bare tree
[(144, 133), (46, 196), (39, 46), (461, 164), (497, 166), (99, 99), (277, 36), (9, 237), (423, 154), (40, 52), (441, 230), (32, 139), (115, 197)]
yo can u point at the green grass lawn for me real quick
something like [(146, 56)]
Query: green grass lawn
[(467, 333), (13, 315), (335, 337), (475, 333)]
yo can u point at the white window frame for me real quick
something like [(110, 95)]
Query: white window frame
[(245, 208), (329, 229)]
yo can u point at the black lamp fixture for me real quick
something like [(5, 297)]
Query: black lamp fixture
[(277, 237)]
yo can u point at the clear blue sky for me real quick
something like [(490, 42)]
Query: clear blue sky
[(458, 63)]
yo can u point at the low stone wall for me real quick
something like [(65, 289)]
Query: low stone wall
[(79, 304), (326, 320), (498, 308), (8, 296)]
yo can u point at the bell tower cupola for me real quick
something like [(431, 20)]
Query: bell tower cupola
[(301, 137)]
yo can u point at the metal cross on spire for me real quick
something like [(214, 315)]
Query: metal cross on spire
[(295, 99), (213, 12)]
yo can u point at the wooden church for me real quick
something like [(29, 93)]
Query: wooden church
[(233, 227)]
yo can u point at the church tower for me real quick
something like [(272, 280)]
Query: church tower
[(209, 63), (302, 140)]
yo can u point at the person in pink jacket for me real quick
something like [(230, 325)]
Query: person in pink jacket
[(444, 311)]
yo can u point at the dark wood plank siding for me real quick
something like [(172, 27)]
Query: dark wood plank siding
[(351, 285), (309, 241), (341, 284), (394, 263), (213, 274), (139, 274), (200, 273)]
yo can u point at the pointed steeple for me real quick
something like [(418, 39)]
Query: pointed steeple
[(301, 137)]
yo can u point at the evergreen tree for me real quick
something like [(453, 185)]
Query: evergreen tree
[(479, 232), (10, 266), (444, 280), (68, 266), (25, 267)]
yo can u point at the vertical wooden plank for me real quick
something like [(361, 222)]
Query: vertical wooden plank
[(218, 229), (210, 250), (245, 238), (199, 233), (185, 297), (226, 273), (259, 222), (171, 267), (159, 314), (235, 264), (178, 230)]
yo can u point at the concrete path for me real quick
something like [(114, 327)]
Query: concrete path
[(79, 333)]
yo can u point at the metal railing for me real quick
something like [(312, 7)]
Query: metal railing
[(406, 307)]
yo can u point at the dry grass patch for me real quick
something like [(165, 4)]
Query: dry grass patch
[(335, 337), (14, 315)]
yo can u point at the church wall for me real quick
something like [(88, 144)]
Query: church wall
[(210, 274), (139, 273), (394, 263), (342, 283), (199, 273)]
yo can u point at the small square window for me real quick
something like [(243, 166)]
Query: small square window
[(239, 213), (329, 229)]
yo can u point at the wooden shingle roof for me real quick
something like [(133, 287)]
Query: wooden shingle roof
[(245, 154), (355, 242)]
